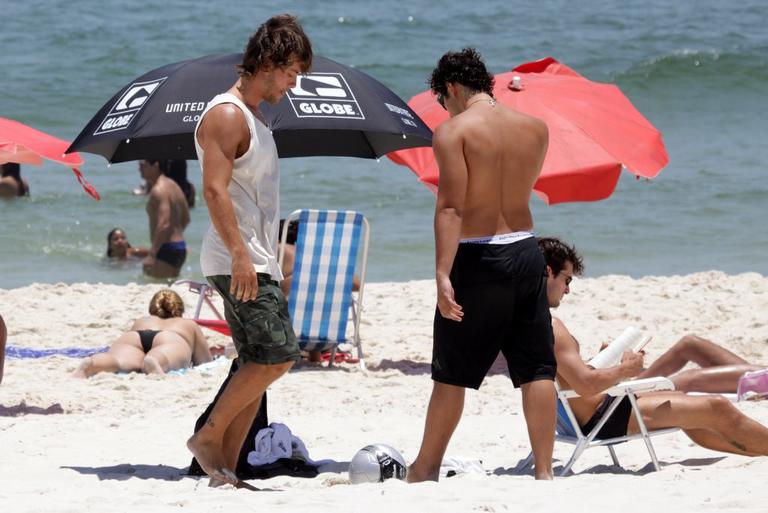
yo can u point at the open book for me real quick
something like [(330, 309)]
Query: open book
[(632, 339)]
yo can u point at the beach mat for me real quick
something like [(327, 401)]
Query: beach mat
[(71, 352), (281, 467)]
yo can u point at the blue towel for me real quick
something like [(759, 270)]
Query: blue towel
[(72, 352)]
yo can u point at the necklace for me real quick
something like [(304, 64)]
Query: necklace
[(491, 102)]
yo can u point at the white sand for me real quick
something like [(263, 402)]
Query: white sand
[(119, 443)]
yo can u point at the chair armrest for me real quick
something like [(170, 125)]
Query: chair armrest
[(655, 384)]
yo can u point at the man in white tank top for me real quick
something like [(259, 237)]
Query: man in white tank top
[(238, 258)]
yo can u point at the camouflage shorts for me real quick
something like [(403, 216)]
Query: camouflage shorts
[(261, 328)]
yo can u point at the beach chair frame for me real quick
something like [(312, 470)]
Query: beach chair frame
[(568, 431), (354, 236), (321, 299)]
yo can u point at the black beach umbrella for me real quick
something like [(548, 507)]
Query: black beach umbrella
[(335, 110)]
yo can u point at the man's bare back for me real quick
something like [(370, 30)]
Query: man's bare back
[(503, 151), (167, 210)]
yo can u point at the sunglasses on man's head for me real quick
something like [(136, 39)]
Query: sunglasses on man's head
[(441, 99)]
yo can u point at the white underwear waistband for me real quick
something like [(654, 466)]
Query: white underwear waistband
[(504, 238)]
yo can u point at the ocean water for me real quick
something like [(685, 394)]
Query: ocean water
[(697, 70)]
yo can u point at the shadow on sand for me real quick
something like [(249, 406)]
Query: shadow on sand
[(23, 408), (519, 470), (126, 471), (413, 368)]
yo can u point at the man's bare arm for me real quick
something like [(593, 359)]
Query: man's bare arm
[(219, 135), (585, 380), (162, 231), (449, 154)]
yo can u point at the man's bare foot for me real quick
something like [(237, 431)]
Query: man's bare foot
[(152, 366), (211, 461), (83, 370), (240, 485), (414, 475)]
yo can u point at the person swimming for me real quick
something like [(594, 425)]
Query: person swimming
[(12, 185), (119, 248)]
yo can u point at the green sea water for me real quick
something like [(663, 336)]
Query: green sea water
[(697, 70)]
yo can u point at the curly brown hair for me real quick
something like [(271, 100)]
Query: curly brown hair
[(277, 43), (166, 304), (557, 253), (466, 68)]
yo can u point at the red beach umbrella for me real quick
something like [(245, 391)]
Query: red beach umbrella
[(594, 131), (24, 145)]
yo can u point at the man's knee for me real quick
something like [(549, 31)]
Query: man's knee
[(691, 341), (274, 371), (722, 410)]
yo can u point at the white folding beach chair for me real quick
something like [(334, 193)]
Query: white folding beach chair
[(321, 300), (568, 430)]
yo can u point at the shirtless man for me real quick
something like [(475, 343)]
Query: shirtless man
[(239, 254), (710, 421), (491, 278), (11, 183), (168, 217)]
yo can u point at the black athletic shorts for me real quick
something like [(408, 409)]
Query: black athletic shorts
[(616, 425), (502, 289)]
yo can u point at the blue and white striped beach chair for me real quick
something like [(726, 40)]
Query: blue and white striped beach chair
[(568, 431), (321, 300)]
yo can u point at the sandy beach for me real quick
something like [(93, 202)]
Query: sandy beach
[(116, 442)]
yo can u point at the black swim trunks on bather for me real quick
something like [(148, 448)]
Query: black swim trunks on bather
[(173, 253), (616, 425), (147, 337), (261, 328), (502, 289)]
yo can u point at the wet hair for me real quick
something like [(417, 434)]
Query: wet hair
[(109, 240), (277, 42), (162, 164), (293, 231), (466, 68), (557, 253), (13, 170), (166, 304), (176, 170)]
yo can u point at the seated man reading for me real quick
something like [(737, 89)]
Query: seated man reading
[(710, 421)]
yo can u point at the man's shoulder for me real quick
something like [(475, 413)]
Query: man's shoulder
[(559, 328), (450, 130), (223, 119)]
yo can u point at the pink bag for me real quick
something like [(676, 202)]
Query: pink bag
[(753, 385)]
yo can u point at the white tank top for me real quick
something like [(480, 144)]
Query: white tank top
[(254, 190)]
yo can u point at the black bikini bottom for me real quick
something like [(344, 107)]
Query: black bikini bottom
[(146, 337)]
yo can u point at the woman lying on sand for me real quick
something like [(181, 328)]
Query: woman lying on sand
[(155, 344)]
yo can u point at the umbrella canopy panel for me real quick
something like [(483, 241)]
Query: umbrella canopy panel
[(334, 110), (594, 130), (23, 144)]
